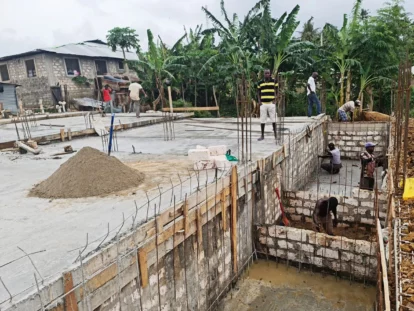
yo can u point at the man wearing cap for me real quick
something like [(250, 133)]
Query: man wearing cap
[(134, 89), (368, 165), (345, 108)]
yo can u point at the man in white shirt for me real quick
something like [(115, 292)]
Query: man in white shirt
[(311, 92), (335, 164), (347, 107), (134, 89)]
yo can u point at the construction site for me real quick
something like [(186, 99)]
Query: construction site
[(171, 212)]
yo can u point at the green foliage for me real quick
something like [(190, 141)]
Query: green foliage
[(82, 80), (202, 114), (180, 103), (125, 38), (357, 59)]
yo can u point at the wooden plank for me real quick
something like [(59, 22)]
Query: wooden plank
[(234, 217), (142, 261), (223, 209), (383, 267), (186, 220), (160, 228), (69, 299), (182, 109), (62, 134), (199, 219)]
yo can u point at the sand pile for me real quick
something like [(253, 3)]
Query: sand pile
[(88, 173)]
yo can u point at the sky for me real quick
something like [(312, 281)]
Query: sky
[(27, 24)]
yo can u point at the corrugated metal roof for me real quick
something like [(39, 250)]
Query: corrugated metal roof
[(87, 48)]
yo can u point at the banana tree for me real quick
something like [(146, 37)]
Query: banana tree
[(158, 64)]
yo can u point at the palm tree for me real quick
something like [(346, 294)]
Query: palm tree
[(126, 38), (309, 32)]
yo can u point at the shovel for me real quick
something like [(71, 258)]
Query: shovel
[(284, 218)]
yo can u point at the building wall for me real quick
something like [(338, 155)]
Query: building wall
[(51, 70), (333, 253), (352, 137), (356, 209), (32, 89)]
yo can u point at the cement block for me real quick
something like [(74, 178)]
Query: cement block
[(217, 150), (352, 202), (327, 253), (200, 147), (365, 247), (307, 248), (198, 154), (221, 162), (204, 165), (270, 242), (367, 204), (361, 194), (296, 234)]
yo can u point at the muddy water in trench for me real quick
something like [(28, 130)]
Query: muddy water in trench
[(271, 287)]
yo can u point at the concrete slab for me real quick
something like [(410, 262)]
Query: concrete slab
[(60, 226), (342, 183), (271, 287)]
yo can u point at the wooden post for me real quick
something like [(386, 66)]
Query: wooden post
[(62, 134), (223, 209), (215, 100), (142, 258), (234, 186), (199, 228), (186, 220), (383, 267), (69, 134), (69, 299)]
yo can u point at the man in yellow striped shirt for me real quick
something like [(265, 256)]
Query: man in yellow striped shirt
[(266, 93)]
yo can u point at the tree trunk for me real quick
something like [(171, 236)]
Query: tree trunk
[(195, 93), (125, 62), (182, 91), (341, 90), (371, 99), (348, 86)]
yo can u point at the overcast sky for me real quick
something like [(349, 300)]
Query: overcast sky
[(28, 24)]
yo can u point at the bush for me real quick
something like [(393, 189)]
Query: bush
[(181, 103), (202, 114)]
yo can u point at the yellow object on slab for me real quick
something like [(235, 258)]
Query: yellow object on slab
[(409, 189)]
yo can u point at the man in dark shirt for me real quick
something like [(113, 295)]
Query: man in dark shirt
[(322, 214), (266, 93)]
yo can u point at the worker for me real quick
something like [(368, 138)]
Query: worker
[(335, 165), (347, 107), (107, 99), (266, 94), (312, 97), (134, 90), (368, 166), (322, 215)]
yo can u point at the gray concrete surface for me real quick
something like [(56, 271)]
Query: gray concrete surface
[(271, 287), (339, 184), (60, 226)]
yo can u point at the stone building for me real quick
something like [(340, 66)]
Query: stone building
[(47, 74)]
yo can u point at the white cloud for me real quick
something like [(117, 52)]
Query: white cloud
[(27, 25)]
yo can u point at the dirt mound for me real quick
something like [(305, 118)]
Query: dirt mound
[(89, 173)]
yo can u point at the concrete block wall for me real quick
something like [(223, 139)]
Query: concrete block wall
[(351, 137), (356, 209), (334, 253), (302, 155)]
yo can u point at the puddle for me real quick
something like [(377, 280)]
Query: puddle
[(272, 287)]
